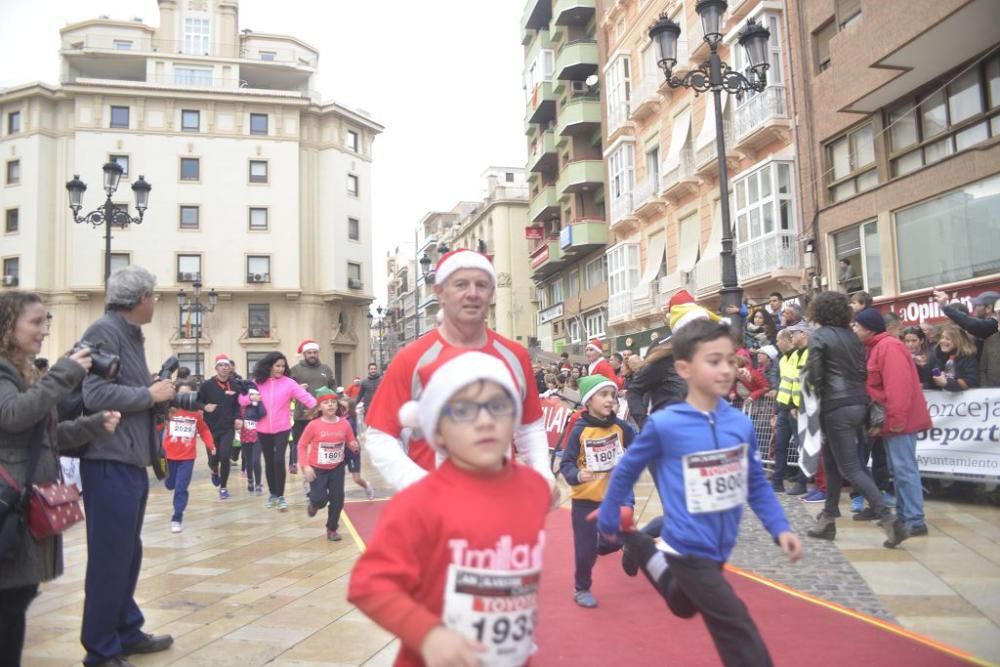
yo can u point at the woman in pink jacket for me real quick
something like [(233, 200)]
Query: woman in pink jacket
[(276, 392)]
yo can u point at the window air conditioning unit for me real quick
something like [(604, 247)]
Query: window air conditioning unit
[(10, 281), (579, 87), (354, 283), (257, 278)]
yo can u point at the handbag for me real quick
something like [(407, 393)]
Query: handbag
[(876, 415)]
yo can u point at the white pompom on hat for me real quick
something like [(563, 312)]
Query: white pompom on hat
[(307, 345), (462, 258), (454, 370)]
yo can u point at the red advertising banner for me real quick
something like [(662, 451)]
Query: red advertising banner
[(555, 413), (917, 307), (534, 232)]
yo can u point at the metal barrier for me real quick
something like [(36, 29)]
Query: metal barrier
[(761, 413)]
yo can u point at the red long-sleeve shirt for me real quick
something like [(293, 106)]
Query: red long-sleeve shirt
[(179, 435), (451, 519), (324, 444)]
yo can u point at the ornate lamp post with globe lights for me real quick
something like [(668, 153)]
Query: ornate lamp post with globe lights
[(716, 76)]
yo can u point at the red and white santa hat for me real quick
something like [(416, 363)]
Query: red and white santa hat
[(462, 258), (596, 345), (454, 370), (308, 344), (223, 359)]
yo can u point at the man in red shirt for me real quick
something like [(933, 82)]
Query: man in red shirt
[(464, 282), (598, 365)]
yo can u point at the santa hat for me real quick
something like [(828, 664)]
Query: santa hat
[(308, 344), (770, 350), (679, 298), (592, 384), (357, 378), (685, 313), (223, 359), (595, 345), (446, 376), (463, 258), (325, 394)]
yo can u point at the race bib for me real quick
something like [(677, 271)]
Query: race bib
[(330, 453), (182, 428), (496, 608), (602, 454), (715, 480), (250, 424)]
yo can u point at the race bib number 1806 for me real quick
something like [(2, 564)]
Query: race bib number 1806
[(715, 480), (496, 608)]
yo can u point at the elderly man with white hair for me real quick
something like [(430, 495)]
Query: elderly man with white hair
[(464, 282), (113, 470)]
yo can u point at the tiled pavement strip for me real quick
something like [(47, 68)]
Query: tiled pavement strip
[(247, 586)]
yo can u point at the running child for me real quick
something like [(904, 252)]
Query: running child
[(347, 409), (593, 448), (703, 452), (250, 444), (182, 430), (471, 530), (322, 450)]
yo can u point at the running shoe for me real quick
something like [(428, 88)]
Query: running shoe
[(585, 599), (370, 492), (176, 527), (888, 499), (311, 510), (867, 514), (258, 490), (333, 536), (798, 489), (271, 502), (857, 504), (223, 494), (216, 480), (815, 496), (282, 504), (250, 487), (918, 531)]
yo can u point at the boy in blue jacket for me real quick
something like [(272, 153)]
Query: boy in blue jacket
[(703, 453)]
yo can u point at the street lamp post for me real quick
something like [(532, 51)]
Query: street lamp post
[(108, 215), (425, 266), (380, 327), (716, 76), (198, 308)]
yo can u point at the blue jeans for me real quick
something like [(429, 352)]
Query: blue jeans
[(178, 479), (784, 438), (902, 454)]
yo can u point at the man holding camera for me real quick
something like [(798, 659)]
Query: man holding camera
[(113, 470), (222, 416)]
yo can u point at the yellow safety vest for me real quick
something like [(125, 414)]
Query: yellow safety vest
[(790, 368)]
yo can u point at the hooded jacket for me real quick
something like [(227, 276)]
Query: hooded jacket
[(668, 436), (657, 381), (893, 383), (316, 375)]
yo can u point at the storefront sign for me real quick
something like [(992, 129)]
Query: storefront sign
[(534, 232), (965, 437), (550, 313), (917, 307), (540, 256)]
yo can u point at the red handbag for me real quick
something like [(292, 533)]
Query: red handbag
[(52, 508)]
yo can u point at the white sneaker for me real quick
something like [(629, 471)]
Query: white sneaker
[(370, 492), (176, 527)]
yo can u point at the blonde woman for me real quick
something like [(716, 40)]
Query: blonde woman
[(953, 363)]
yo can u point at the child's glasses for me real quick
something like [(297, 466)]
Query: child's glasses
[(467, 411)]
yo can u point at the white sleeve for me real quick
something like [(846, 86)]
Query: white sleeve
[(392, 463), (533, 445)]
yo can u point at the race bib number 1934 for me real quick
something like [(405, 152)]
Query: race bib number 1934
[(496, 608), (715, 480)]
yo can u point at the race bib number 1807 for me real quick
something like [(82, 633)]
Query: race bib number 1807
[(602, 454), (715, 480), (496, 608)]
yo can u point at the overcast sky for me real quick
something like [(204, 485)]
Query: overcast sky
[(443, 76)]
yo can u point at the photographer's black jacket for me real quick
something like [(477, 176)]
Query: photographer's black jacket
[(227, 410)]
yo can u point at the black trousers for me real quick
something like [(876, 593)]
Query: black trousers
[(698, 582), (13, 615), (844, 429), (587, 544), (223, 453), (273, 445), (328, 488), (298, 427)]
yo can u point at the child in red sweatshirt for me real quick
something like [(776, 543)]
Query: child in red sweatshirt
[(454, 565), (323, 449), (181, 431)]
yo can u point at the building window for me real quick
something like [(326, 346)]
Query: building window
[(623, 276), (196, 36), (190, 217), (764, 203), (259, 320), (12, 267), (929, 127), (950, 238), (595, 273), (13, 172), (122, 45), (556, 292), (821, 39), (858, 265), (572, 279), (191, 361), (574, 331), (190, 169), (190, 120), (353, 229), (508, 177), (258, 171), (851, 163), (121, 161), (352, 185), (192, 76), (621, 164), (848, 12), (13, 122), (252, 359), (354, 275), (619, 92), (11, 222), (595, 324), (258, 219), (268, 56), (188, 268), (119, 260), (352, 141), (258, 269), (119, 117), (258, 124), (756, 111)]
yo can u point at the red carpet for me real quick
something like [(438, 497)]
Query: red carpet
[(632, 626)]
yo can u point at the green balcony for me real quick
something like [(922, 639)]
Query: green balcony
[(545, 205), (543, 156), (581, 115), (573, 12), (546, 258), (577, 60), (584, 235), (536, 15), (542, 103), (581, 176), (539, 40)]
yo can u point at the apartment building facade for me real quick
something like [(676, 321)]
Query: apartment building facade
[(901, 163), (261, 191), (567, 222), (663, 187)]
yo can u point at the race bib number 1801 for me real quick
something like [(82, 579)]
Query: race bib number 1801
[(715, 480), (496, 608)]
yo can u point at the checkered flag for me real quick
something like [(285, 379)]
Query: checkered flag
[(810, 435)]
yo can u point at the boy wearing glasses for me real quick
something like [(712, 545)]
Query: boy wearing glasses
[(593, 448), (454, 564)]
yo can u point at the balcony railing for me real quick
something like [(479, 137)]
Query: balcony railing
[(619, 306), (645, 95), (621, 207), (759, 109), (706, 154), (618, 115), (684, 171), (769, 253), (644, 191)]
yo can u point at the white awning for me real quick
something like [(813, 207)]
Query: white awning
[(656, 246), (708, 273), (687, 255), (679, 136), (706, 137)]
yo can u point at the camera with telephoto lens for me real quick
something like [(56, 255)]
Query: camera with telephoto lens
[(103, 364)]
